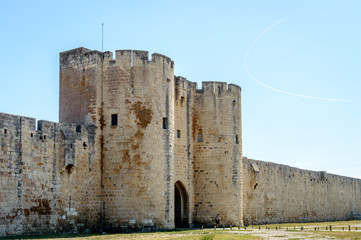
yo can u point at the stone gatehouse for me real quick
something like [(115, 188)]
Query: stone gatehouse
[(139, 148)]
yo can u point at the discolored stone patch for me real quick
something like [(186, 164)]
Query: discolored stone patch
[(142, 113)]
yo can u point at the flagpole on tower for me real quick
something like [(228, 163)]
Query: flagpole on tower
[(102, 36)]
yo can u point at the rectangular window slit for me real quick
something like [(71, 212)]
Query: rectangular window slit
[(200, 137), (114, 119), (182, 100), (31, 134), (5, 131), (178, 134), (165, 123), (237, 141)]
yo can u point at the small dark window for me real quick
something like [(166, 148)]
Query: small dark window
[(114, 119), (178, 133), (44, 137), (182, 100), (69, 168), (237, 141), (200, 137), (5, 131), (78, 128), (84, 145), (31, 134), (165, 123)]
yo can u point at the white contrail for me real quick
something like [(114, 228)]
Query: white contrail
[(272, 88)]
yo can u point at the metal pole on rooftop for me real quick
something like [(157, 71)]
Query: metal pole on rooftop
[(102, 36)]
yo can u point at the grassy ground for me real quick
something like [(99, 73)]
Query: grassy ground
[(267, 232), (176, 235)]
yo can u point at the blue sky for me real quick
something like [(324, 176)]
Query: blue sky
[(314, 51)]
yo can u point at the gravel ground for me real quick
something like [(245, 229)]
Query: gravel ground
[(281, 234)]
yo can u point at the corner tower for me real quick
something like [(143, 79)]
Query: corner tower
[(131, 101), (216, 133)]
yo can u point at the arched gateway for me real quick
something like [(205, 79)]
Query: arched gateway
[(180, 205)]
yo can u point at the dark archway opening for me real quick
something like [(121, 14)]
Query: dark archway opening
[(180, 205)]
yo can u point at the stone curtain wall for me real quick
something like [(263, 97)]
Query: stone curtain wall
[(216, 133), (275, 193), (48, 177), (137, 148)]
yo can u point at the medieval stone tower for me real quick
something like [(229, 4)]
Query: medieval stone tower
[(170, 154), (138, 148)]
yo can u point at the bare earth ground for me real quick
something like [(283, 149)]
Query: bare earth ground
[(340, 230)]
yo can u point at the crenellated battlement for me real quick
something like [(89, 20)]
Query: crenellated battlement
[(208, 86), (217, 88), (139, 58), (13, 122), (81, 57), (133, 58), (15, 125), (234, 88), (46, 126), (184, 82)]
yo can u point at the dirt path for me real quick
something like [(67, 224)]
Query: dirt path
[(282, 234)]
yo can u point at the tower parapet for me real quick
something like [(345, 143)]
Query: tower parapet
[(218, 87), (139, 58), (79, 57)]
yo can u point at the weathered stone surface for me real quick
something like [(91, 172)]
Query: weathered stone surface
[(38, 183), (138, 148), (279, 193)]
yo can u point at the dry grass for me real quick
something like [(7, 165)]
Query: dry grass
[(174, 235), (210, 234)]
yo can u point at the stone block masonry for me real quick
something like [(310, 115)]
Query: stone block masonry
[(217, 149), (148, 123), (275, 193), (138, 148), (48, 177)]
